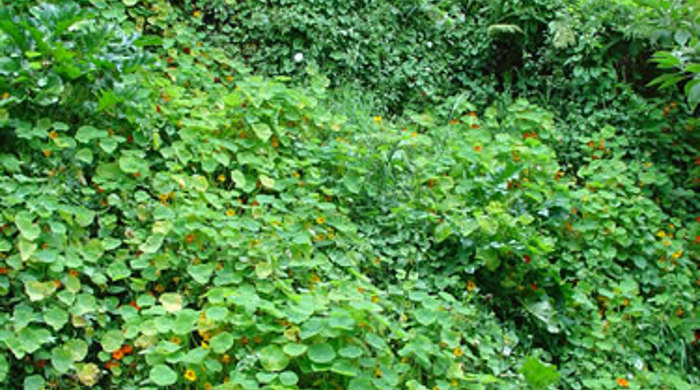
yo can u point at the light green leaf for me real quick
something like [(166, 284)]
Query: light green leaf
[(272, 358), (321, 353), (112, 340), (162, 375), (262, 131), (25, 223), (221, 343)]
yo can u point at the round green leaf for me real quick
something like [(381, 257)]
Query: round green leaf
[(321, 353), (272, 358), (295, 350), (162, 375), (289, 378)]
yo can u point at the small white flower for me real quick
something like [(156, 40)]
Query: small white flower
[(639, 364), (429, 44), (298, 57), (506, 351)]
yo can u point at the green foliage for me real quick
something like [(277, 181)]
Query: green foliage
[(170, 220)]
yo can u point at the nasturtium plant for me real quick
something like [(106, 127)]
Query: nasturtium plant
[(443, 195)]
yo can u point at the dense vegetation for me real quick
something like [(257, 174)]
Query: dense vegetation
[(358, 194)]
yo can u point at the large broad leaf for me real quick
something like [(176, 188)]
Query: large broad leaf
[(172, 302), (272, 358), (112, 340), (321, 353), (262, 131), (162, 375), (25, 223), (539, 375), (221, 343)]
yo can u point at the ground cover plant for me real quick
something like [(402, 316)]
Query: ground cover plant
[(421, 195)]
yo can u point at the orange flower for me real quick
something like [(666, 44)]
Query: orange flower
[(47, 153), (190, 238), (622, 382), (127, 349), (110, 364), (73, 273), (275, 142), (57, 283), (476, 126), (134, 305), (477, 149), (159, 288), (3, 270), (118, 354), (175, 340), (472, 114), (471, 286)]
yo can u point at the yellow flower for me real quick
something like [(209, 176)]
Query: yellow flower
[(471, 286), (315, 278), (221, 178), (320, 220), (375, 299), (458, 352), (414, 134), (5, 95), (230, 212), (205, 345), (176, 340), (661, 234), (453, 382), (196, 14), (207, 386), (678, 254), (377, 373), (190, 375), (229, 78), (159, 288), (667, 243), (378, 119), (53, 135)]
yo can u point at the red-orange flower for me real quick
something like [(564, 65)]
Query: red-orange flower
[(3, 270), (527, 259), (127, 349), (533, 286), (134, 305), (118, 354), (477, 149), (475, 126), (622, 382)]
